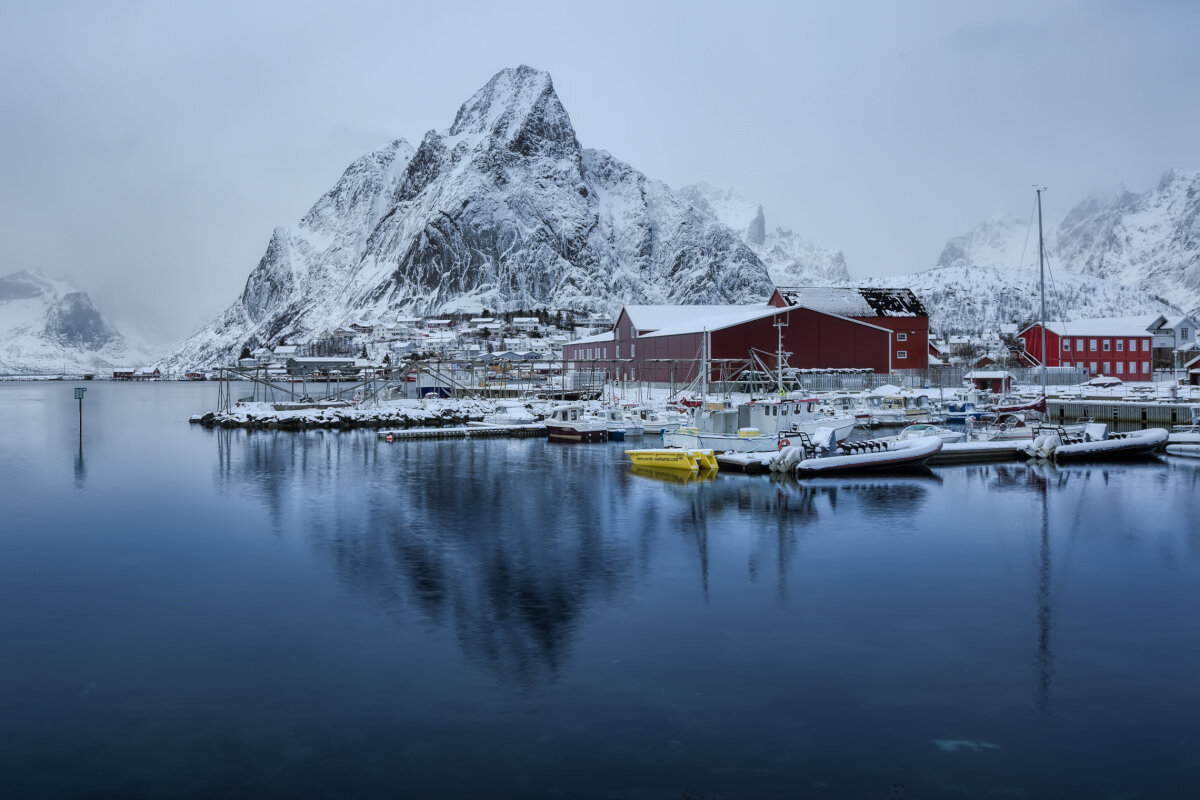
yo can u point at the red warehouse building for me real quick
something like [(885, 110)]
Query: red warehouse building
[(665, 343), (1120, 346), (898, 310)]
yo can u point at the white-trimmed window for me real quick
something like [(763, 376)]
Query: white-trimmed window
[(618, 351), (1092, 345), (1145, 345), (1145, 367), (1066, 345), (632, 350), (1107, 345), (1093, 369), (901, 337), (1132, 345), (1120, 367), (901, 354), (1120, 345)]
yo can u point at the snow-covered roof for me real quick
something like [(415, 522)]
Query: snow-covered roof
[(654, 318), (694, 319), (607, 336), (855, 302), (1107, 326), (988, 375)]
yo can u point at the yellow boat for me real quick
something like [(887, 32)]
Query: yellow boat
[(672, 475), (673, 458)]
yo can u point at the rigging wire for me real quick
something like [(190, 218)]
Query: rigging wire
[(1025, 247)]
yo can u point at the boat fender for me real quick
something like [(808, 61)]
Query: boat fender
[(784, 443), (389, 437)]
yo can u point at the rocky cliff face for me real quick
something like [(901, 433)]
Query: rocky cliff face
[(502, 210), (47, 327)]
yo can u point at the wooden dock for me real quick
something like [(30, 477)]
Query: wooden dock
[(465, 432)]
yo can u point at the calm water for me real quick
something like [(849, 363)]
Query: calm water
[(191, 613)]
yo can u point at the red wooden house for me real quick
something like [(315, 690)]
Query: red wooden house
[(1120, 347)]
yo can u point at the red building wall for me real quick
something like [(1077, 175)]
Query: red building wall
[(815, 340), (1124, 357)]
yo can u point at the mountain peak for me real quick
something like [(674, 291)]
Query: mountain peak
[(517, 108)]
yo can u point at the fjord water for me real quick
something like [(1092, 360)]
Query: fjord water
[(195, 613)]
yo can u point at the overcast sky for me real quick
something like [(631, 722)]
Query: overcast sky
[(149, 149)]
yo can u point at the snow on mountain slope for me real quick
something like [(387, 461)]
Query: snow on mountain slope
[(47, 327), (502, 210), (989, 276), (791, 259), (1151, 240)]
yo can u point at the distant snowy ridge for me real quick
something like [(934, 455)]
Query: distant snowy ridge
[(47, 327), (791, 259), (989, 276), (503, 210)]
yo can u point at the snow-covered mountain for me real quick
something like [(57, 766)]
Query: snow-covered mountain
[(1149, 240), (502, 210), (47, 327), (791, 259), (989, 276)]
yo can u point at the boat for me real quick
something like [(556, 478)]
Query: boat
[(923, 429), (967, 410), (506, 414), (673, 459), (659, 421), (1184, 450), (572, 424), (1097, 443), (620, 424), (673, 475), (757, 426), (822, 455)]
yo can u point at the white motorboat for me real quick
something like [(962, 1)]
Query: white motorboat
[(821, 455), (620, 424), (1096, 444), (508, 414), (572, 424), (923, 429), (1184, 450)]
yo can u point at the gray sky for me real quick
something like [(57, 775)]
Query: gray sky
[(150, 148)]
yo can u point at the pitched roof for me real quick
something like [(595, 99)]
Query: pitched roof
[(652, 321), (1106, 326), (866, 301)]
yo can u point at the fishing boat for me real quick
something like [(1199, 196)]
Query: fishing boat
[(673, 459), (572, 424), (1097, 443), (822, 455)]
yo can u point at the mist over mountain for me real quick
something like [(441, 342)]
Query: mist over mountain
[(48, 327)]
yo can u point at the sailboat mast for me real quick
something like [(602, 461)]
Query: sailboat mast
[(1042, 284)]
